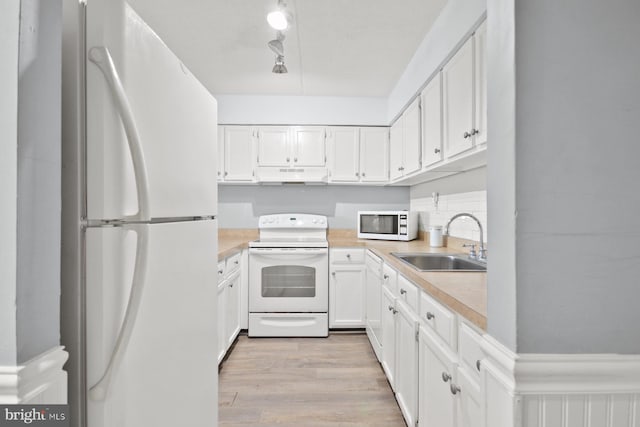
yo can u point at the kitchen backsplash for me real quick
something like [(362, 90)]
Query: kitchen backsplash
[(448, 205)]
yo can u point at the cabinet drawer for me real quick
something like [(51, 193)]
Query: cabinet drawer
[(221, 271), (347, 256), (233, 264), (470, 348), (390, 278), (408, 292), (439, 318)]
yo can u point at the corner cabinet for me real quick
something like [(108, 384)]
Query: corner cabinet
[(406, 141), (347, 288), (358, 154)]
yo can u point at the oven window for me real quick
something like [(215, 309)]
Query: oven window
[(288, 281), (379, 224)]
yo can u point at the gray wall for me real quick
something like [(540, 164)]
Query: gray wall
[(38, 262), (240, 206), (574, 143), (9, 30)]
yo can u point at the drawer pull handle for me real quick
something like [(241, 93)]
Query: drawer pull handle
[(454, 389), (446, 377), (402, 291), (385, 277), (478, 364), (430, 315)]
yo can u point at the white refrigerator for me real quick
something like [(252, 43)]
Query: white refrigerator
[(150, 233)]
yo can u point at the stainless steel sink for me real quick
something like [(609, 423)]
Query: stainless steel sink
[(439, 262)]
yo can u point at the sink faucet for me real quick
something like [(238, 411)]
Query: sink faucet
[(482, 256)]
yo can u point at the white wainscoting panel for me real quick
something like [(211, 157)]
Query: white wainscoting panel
[(40, 380), (594, 410)]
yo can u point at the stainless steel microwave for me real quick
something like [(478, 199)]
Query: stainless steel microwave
[(388, 225)]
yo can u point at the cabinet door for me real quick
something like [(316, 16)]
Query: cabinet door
[(343, 148), (232, 318), (432, 121), (395, 150), (238, 153), (457, 82), (274, 146), (436, 372), (374, 154), (220, 144), (222, 331), (347, 297), (389, 336), (309, 146), (373, 296), (407, 363), (480, 84), (469, 400), (412, 139)]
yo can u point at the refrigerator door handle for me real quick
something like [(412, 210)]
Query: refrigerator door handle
[(99, 391), (102, 58)]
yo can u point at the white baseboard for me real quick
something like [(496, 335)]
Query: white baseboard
[(40, 380), (563, 390)]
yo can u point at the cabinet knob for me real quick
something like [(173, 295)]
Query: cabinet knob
[(385, 276), (467, 135), (218, 173), (363, 174), (295, 159), (478, 364), (402, 291), (446, 377), (390, 308), (455, 389), (333, 273), (395, 311), (474, 131), (349, 256), (226, 173), (220, 271), (436, 150), (357, 174), (231, 285), (290, 159), (430, 315)]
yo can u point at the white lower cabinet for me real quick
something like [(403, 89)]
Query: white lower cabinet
[(388, 359), (407, 362), (431, 356), (230, 306), (347, 288), (437, 371)]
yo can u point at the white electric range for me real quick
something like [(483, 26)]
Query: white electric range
[(289, 277)]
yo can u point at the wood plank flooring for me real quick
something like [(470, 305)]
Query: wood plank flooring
[(305, 382)]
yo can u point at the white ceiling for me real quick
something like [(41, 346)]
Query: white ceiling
[(334, 48)]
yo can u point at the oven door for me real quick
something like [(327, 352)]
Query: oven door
[(288, 280)]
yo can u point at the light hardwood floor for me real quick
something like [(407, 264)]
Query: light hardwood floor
[(305, 382)]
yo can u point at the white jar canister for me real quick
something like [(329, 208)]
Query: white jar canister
[(435, 236)]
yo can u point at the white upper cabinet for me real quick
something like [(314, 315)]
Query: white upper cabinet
[(406, 142), (274, 146), (480, 84), (220, 152), (464, 81), (358, 154), (412, 139), (344, 154), (457, 85), (432, 121), (374, 154), (309, 147), (395, 149), (238, 153)]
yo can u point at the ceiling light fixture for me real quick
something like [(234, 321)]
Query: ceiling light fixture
[(279, 18), (279, 67)]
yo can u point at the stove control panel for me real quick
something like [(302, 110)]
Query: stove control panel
[(292, 221)]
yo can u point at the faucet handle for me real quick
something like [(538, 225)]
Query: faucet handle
[(472, 251), (482, 254)]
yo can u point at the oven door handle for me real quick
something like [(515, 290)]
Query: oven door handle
[(287, 251)]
